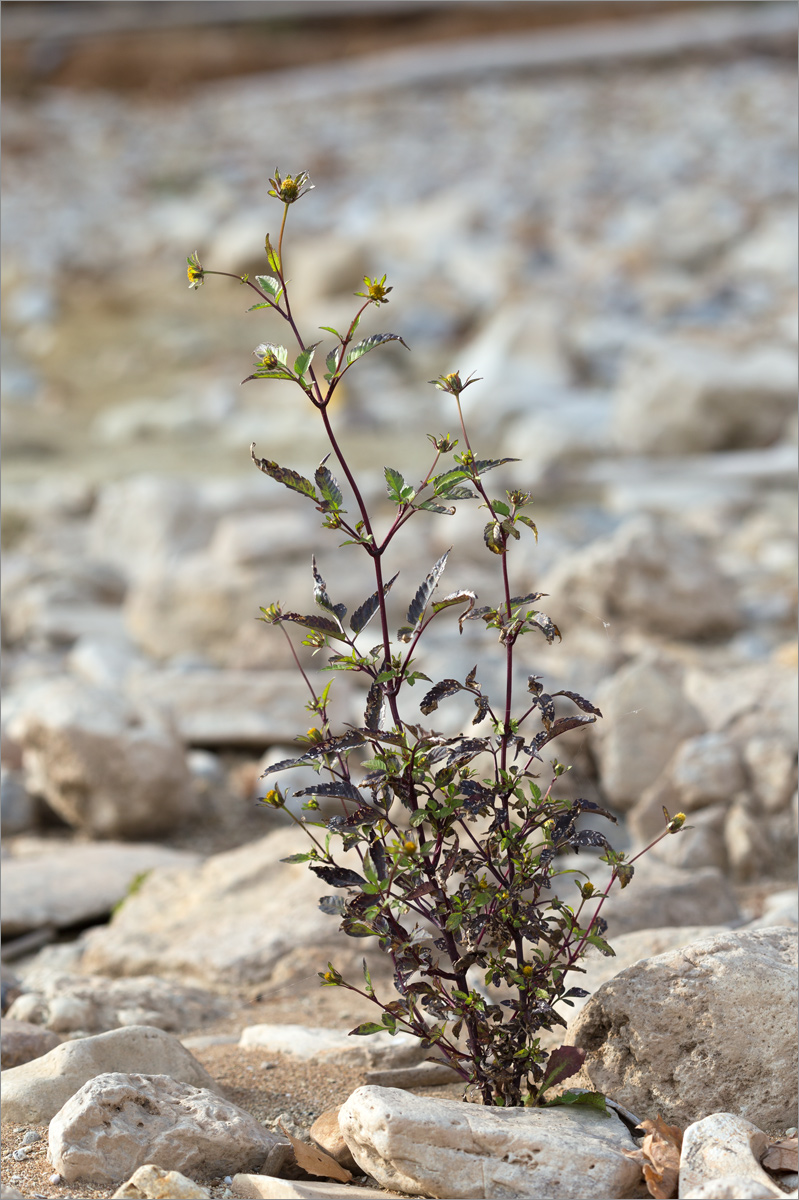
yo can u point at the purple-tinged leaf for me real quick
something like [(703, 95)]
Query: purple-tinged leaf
[(530, 598), (529, 523), (367, 1027), (547, 707), (580, 701), (482, 465), (340, 788), (431, 506), (461, 597), (441, 483), (534, 685), (547, 627), (370, 343), (562, 725), (340, 877), (290, 479), (362, 816), (363, 615), (590, 837), (323, 625), (321, 597), (420, 601), (482, 704), (334, 745), (374, 707), (332, 905), (283, 765), (329, 488), (447, 687)]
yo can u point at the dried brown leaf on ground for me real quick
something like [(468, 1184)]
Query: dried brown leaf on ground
[(781, 1156), (659, 1156), (315, 1161)]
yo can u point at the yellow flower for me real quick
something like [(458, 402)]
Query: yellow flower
[(194, 271), (376, 290), (291, 188)]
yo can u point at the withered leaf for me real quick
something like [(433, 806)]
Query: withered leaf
[(659, 1156), (315, 1161), (781, 1156), (374, 707), (337, 876), (580, 701), (290, 479)]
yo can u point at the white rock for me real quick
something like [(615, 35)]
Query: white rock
[(241, 918), (18, 811), (646, 714), (79, 883), (736, 1053), (271, 1187), (781, 908), (746, 837), (118, 1122), (35, 1091), (102, 764), (302, 1041), (93, 1004), (734, 1187), (450, 1148), (677, 398), (653, 574), (264, 538), (53, 600), (723, 1144), (771, 762), (705, 770), (153, 1183)]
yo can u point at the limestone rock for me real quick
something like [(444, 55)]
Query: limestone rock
[(652, 574), (119, 1122), (734, 1187), (94, 1004), (22, 1042), (736, 1053), (270, 1187), (153, 1183), (675, 398), (102, 765), (448, 1148), (719, 1145), (329, 1045), (663, 895), (18, 809), (242, 917), (645, 714), (37, 1090), (79, 883)]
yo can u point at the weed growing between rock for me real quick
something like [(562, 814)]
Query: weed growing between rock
[(457, 837)]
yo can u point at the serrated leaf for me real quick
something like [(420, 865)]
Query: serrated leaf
[(447, 687), (324, 625), (420, 601), (458, 493), (370, 343), (273, 258), (329, 488), (431, 506), (331, 362), (492, 536), (332, 905), (482, 704), (442, 482), (321, 597), (340, 788), (457, 598), (290, 479), (547, 627), (363, 615), (528, 521), (602, 946), (270, 285), (487, 464), (367, 1027), (501, 507), (304, 359), (580, 701), (399, 491), (337, 876), (374, 707), (334, 745)]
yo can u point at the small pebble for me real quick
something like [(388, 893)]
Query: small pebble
[(268, 1066), (30, 1137), (790, 1132), (228, 1179), (54, 1179), (20, 1155)]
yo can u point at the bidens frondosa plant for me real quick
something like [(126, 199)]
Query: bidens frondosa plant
[(458, 837)]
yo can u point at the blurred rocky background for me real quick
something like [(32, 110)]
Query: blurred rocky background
[(592, 207)]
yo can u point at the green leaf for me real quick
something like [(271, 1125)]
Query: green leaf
[(370, 343), (601, 945), (323, 625), (442, 482), (454, 921), (303, 359), (270, 285), (492, 536), (436, 508), (330, 329), (594, 1100), (330, 362), (272, 255), (296, 858), (369, 868), (368, 979), (399, 491), (329, 488), (498, 505), (366, 1028), (290, 479), (363, 614), (420, 601), (482, 465), (528, 522)]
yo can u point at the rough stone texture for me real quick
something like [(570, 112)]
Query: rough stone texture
[(103, 765), (646, 714), (18, 811), (76, 884), (771, 763), (706, 770), (448, 1148), (330, 1045), (734, 1187), (723, 1144), (152, 1183), (326, 1134), (270, 1187), (37, 1090), (118, 1122), (240, 918), (93, 1004), (682, 399), (22, 1042), (666, 896), (736, 1053), (653, 574)]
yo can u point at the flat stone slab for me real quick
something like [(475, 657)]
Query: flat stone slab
[(330, 1044), (74, 884), (269, 1187)]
